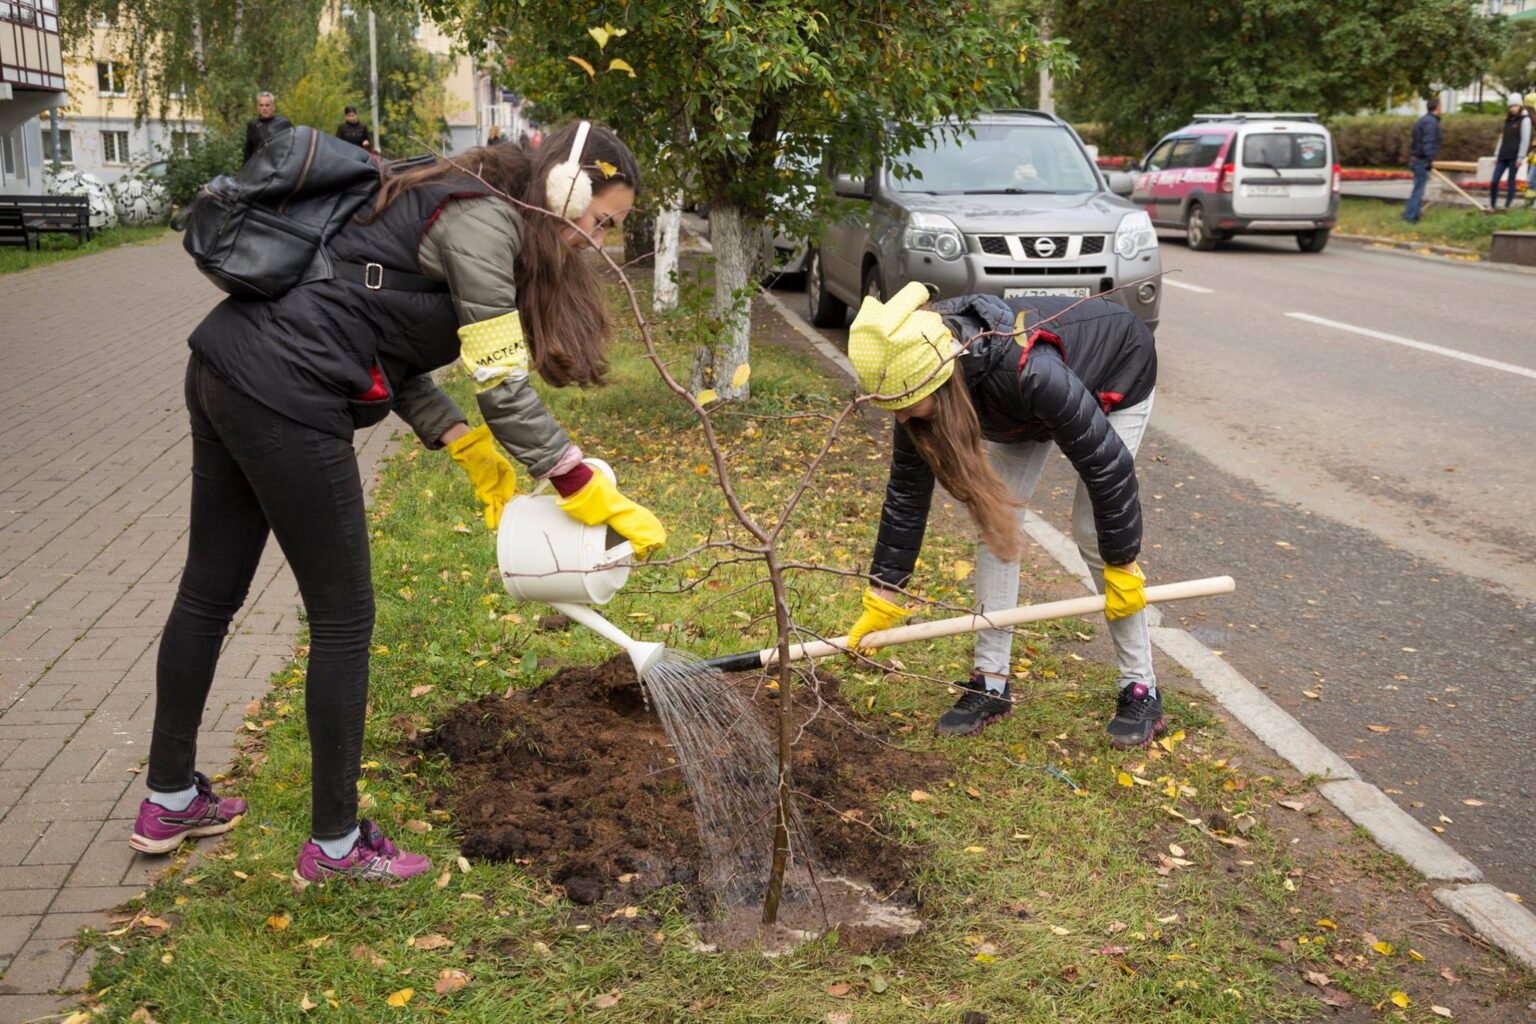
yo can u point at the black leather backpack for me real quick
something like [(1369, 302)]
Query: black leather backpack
[(264, 231)]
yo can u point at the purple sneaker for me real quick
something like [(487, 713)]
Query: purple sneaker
[(372, 858), (159, 830)]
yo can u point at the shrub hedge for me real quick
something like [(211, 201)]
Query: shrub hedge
[(1381, 140)]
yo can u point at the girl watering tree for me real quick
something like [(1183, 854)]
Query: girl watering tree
[(440, 269)]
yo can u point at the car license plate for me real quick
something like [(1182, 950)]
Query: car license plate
[(1269, 190), (1021, 293)]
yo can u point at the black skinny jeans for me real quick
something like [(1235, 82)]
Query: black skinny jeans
[(255, 471)]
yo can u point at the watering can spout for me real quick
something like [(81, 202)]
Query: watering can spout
[(645, 655)]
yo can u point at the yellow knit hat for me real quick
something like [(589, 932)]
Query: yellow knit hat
[(898, 348)]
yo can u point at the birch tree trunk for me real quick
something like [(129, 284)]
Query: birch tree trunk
[(668, 225), (735, 241)]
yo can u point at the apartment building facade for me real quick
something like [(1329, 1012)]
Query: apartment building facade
[(32, 81)]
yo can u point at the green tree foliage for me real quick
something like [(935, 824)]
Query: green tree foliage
[(740, 100), (208, 155), (412, 98), (219, 53), (321, 96), (1515, 68), (1147, 65)]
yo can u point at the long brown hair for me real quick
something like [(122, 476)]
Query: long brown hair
[(949, 440), (559, 297)]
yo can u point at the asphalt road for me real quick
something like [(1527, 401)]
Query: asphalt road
[(1374, 499)]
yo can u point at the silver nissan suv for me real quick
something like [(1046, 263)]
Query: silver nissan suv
[(1013, 207)]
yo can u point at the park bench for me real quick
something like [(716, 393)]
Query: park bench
[(70, 215), (14, 230)]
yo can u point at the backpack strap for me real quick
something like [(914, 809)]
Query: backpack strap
[(375, 276)]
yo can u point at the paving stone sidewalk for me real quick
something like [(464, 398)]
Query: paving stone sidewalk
[(95, 463)]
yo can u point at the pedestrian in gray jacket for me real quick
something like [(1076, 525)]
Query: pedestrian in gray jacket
[(1514, 144)]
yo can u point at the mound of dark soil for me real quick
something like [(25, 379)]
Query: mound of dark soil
[(577, 780)]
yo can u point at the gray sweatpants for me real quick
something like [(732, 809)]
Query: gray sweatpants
[(997, 582)]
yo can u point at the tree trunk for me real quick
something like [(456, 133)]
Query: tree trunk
[(668, 226), (736, 244), (639, 236)]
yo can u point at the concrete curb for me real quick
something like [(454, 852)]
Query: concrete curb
[(1492, 915), (1250, 706), (1496, 918), (1399, 832), (1403, 243)]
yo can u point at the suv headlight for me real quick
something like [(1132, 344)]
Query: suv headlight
[(1134, 235), (927, 232)]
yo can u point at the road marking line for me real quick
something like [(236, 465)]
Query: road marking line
[(1170, 282), (1424, 346)]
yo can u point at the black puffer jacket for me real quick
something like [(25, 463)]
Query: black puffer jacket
[(1076, 361)]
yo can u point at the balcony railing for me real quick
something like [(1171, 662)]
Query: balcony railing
[(29, 44)]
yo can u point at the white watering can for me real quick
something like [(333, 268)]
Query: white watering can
[(545, 555)]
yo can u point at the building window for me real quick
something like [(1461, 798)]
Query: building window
[(8, 159), (111, 78), (114, 147), (66, 145), (181, 142)]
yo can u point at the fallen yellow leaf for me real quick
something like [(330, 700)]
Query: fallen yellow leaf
[(1124, 778), (1379, 728), (920, 795), (975, 849), (1384, 948), (400, 998), (741, 376), (961, 569), (1323, 922), (1416, 955), (431, 940), (1440, 1011), (1401, 999), (278, 922), (306, 1004)]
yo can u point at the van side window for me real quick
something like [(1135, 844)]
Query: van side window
[(1183, 152), (1158, 158), (1208, 148)]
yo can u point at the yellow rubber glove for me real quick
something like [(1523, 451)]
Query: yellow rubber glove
[(878, 614), (600, 502), (1125, 591), (492, 475)]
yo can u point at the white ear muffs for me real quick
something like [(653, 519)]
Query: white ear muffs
[(568, 190)]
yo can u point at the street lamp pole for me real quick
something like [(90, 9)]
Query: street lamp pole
[(373, 80)]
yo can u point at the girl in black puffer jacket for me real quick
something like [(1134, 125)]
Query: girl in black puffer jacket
[(1033, 375)]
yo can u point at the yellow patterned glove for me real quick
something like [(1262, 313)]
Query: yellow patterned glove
[(600, 502), (492, 475), (878, 614), (899, 348), (1125, 591)]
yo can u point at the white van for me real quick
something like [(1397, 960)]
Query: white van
[(1247, 173)]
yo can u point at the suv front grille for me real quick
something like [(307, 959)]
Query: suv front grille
[(1043, 247), (1018, 271)]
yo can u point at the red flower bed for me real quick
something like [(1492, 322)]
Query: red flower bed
[(1371, 174)]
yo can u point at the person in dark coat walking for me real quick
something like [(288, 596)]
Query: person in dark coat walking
[(1421, 156), (983, 391), (354, 131), (1514, 143), (267, 123)]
